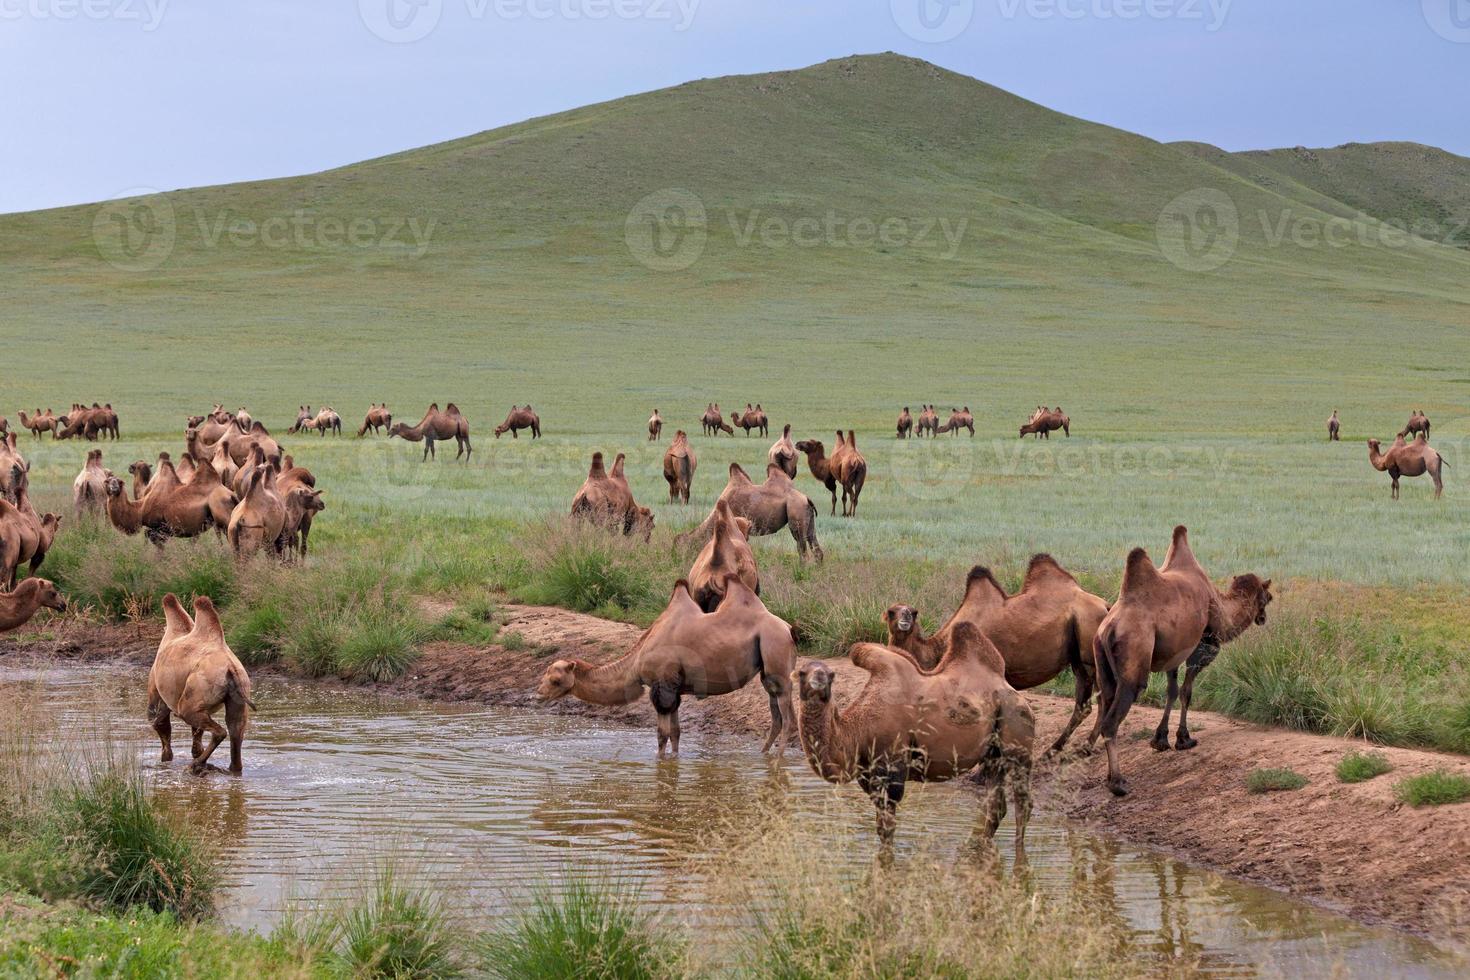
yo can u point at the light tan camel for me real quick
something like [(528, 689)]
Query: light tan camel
[(655, 426), (1047, 421), (908, 725), (1418, 425), (304, 417), (905, 423), (769, 507), (714, 422), (39, 422), (606, 499), (436, 426), (25, 536), (376, 419), (783, 453), (89, 489), (326, 420), (1408, 459), (751, 418), (518, 419), (29, 597), (1164, 617), (1334, 427), (726, 553), (845, 468), (194, 674), (928, 421), (238, 445), (257, 520), (1044, 629), (689, 651), (679, 465)]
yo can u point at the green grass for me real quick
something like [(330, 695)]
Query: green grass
[(1359, 767), (1273, 780), (398, 930), (1434, 788)]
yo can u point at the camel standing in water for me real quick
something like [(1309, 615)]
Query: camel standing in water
[(679, 465), (690, 651), (905, 424), (783, 453), (846, 467), (194, 675), (1334, 427), (29, 597), (1166, 617), (1407, 459), (909, 725), (437, 426), (655, 426)]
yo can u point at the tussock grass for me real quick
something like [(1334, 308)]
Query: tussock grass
[(397, 929), (1273, 780), (1435, 788), (1359, 767)]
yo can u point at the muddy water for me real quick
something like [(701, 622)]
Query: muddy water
[(489, 801)]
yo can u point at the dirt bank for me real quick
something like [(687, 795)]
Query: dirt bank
[(1351, 848)]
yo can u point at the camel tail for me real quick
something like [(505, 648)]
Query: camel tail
[(235, 693)]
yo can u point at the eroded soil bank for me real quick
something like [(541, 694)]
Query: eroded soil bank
[(1351, 848)]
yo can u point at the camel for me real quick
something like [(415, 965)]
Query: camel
[(908, 725), (846, 468), (1418, 425), (905, 424), (297, 488), (520, 418), (1408, 459), (25, 536), (435, 426), (238, 445), (655, 426), (1333, 427), (783, 453), (713, 422), (169, 507), (959, 419), (13, 468), (89, 489), (1165, 617), (243, 419), (1040, 631), (751, 418), (726, 553), (258, 519), (304, 416), (203, 432), (376, 419), (605, 498), (87, 422), (690, 651), (29, 597), (679, 465), (142, 474), (1047, 421), (194, 674), (769, 507), (39, 422), (928, 421), (327, 420)]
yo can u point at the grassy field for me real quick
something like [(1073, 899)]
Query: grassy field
[(1033, 258)]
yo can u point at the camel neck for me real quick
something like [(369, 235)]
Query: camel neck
[(610, 684), (1239, 614), (18, 607)]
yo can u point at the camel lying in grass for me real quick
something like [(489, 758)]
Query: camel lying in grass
[(194, 675), (769, 507), (29, 598), (910, 725), (605, 498), (690, 651)]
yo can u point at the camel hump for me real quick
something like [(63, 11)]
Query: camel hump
[(206, 619), (968, 645), (737, 472), (617, 470), (981, 580), (774, 471), (176, 620), (1044, 566), (597, 472), (1138, 570), (451, 409), (723, 507), (881, 660)]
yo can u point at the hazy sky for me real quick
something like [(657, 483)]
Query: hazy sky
[(104, 96)]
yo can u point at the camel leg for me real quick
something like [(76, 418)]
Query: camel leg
[(235, 719), (665, 698), (201, 723), (1118, 694), (1160, 741), (885, 785), (1081, 708), (1433, 474), (783, 714), (1018, 774), (1182, 740), (158, 717)]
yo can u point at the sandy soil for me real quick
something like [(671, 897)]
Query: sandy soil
[(1351, 848)]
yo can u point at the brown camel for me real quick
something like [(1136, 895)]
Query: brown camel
[(1040, 631), (1408, 459), (25, 536), (928, 421), (169, 507), (301, 507), (304, 416), (326, 420), (846, 468), (769, 507), (1333, 427), (520, 418), (783, 453), (905, 424), (1165, 617), (1418, 425), (13, 468), (88, 422), (959, 419), (714, 422), (606, 499), (690, 651), (202, 434), (436, 426), (751, 418), (726, 553), (258, 519), (655, 426), (29, 597), (194, 674), (238, 445), (1047, 421), (376, 419), (909, 725), (89, 489), (679, 465), (39, 422), (142, 474)]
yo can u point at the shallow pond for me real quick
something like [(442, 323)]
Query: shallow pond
[(488, 802)]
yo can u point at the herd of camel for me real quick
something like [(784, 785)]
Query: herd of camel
[(933, 707)]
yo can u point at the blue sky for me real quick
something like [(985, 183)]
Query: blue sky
[(105, 96)]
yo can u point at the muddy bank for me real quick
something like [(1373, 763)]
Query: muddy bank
[(1350, 848)]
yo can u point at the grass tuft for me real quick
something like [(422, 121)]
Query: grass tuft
[(1435, 788), (400, 931), (1273, 780), (1359, 767)]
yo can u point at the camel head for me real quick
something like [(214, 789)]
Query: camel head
[(1251, 589), (902, 620), (811, 446), (396, 429), (47, 594), (643, 523), (814, 681), (114, 487), (558, 680)]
